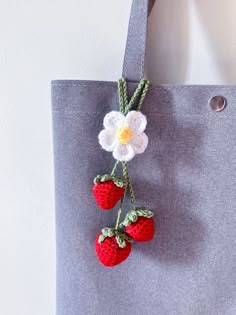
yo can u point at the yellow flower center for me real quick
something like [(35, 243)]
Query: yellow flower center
[(124, 135)]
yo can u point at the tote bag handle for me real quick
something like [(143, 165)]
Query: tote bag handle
[(134, 59)]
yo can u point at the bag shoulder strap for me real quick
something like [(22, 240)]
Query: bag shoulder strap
[(134, 59)]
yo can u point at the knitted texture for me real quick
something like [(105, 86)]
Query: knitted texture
[(110, 253), (124, 134), (142, 230), (139, 224), (107, 194)]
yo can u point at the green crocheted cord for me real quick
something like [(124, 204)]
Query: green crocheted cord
[(140, 92), (121, 238)]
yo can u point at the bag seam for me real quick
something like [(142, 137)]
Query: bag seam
[(163, 87), (155, 114)]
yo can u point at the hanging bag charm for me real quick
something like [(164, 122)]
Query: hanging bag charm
[(124, 136)]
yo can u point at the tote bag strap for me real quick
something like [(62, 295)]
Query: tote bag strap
[(134, 59)]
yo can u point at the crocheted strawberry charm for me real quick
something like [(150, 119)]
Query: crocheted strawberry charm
[(124, 135), (107, 191), (139, 225), (112, 247)]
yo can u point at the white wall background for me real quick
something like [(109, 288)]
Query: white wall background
[(190, 42)]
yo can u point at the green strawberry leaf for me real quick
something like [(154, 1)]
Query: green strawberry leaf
[(120, 236), (118, 181), (133, 215)]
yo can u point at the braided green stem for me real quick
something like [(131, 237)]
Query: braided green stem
[(118, 218), (136, 94), (141, 89), (123, 95), (120, 209), (114, 167), (144, 93), (128, 183)]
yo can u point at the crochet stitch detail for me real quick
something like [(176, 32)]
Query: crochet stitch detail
[(107, 194), (124, 136), (109, 252)]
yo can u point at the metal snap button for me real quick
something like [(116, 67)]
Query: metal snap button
[(217, 103)]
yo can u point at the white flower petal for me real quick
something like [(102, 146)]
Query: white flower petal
[(107, 139), (136, 121), (123, 152), (113, 120), (139, 142)]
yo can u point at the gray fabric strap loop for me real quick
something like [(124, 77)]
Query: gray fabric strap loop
[(134, 59)]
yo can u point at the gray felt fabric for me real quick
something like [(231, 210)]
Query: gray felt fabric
[(187, 177)]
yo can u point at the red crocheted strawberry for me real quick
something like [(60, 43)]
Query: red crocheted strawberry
[(107, 191), (112, 248), (139, 225)]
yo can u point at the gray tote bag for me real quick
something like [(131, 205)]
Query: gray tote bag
[(187, 177)]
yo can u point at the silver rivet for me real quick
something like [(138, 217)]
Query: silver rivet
[(217, 103)]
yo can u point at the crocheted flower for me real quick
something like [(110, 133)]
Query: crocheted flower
[(124, 135)]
